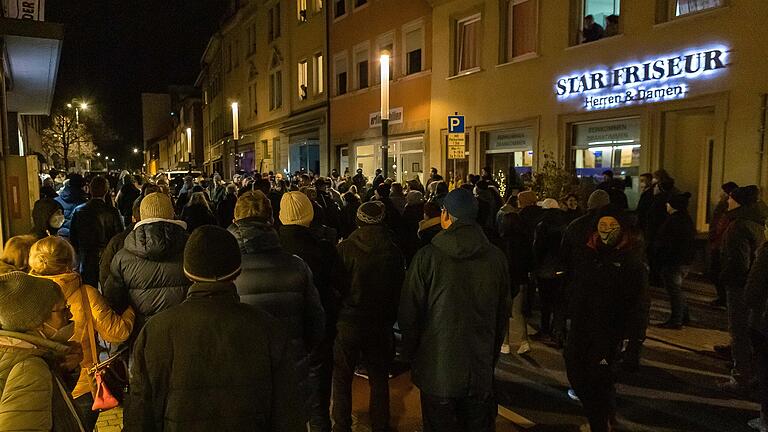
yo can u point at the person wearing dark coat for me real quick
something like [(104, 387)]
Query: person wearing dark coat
[(71, 196), (412, 215), (547, 270), (674, 248), (115, 244), (47, 217), (393, 218), (349, 213), (147, 273), (607, 306), (48, 189), (279, 283), (373, 269), (430, 226), (646, 200), (127, 194), (212, 363), (717, 227), (225, 210), (756, 299), (197, 212), (449, 328), (519, 259), (663, 188), (742, 238), (324, 262), (93, 225)]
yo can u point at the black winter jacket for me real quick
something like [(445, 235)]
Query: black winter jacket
[(93, 225), (196, 216), (69, 199), (547, 240), (212, 364), (674, 242), (109, 252), (128, 194), (148, 272), (454, 312), (740, 242), (756, 292), (374, 269)]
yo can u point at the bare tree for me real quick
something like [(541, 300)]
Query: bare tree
[(67, 138)]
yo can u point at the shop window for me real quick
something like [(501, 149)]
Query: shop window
[(595, 20), (340, 71), (365, 159), (521, 28), (361, 68), (608, 145), (319, 75), (275, 90), (468, 44), (301, 10), (340, 8), (302, 80), (509, 155), (414, 48)]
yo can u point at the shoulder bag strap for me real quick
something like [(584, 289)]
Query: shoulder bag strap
[(86, 304)]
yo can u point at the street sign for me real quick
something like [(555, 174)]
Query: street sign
[(456, 124), (456, 145)]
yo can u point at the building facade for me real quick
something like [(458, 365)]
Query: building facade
[(360, 32), (673, 84), (173, 130)]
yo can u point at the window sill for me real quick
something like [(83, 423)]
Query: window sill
[(415, 75), (693, 16), (339, 18), (465, 73), (361, 7), (597, 42), (520, 59)]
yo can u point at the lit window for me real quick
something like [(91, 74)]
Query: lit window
[(301, 10), (468, 44), (521, 28), (598, 19), (318, 5), (340, 70), (275, 90), (685, 7), (319, 75), (414, 48), (302, 78)]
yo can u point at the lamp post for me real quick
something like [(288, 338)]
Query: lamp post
[(235, 133), (189, 146), (106, 163), (78, 105), (384, 60)]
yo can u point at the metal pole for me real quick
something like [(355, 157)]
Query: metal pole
[(385, 147)]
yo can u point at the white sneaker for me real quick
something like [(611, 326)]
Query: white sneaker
[(505, 349), (757, 424), (572, 395), (525, 348)]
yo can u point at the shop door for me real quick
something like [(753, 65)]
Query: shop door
[(305, 156)]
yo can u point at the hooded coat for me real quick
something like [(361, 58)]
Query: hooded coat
[(454, 312), (42, 211), (741, 240), (69, 198), (148, 272), (93, 225)]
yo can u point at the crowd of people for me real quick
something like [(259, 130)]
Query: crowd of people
[(250, 304)]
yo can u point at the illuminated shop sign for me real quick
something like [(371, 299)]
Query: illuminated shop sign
[(654, 80)]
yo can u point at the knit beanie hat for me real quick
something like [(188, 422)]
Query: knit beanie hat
[(414, 197), (729, 187), (680, 201), (550, 203), (26, 301), (526, 199), (371, 213), (746, 195), (461, 204), (156, 205), (598, 199), (211, 255), (296, 209)]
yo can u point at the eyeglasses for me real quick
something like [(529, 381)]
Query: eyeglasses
[(65, 308)]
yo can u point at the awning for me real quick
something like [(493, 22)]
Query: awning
[(32, 52)]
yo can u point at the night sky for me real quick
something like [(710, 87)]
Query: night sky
[(115, 50)]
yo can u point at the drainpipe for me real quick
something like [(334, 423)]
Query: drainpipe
[(763, 119)]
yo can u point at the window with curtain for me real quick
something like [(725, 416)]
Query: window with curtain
[(302, 79), (468, 44), (301, 10), (275, 90), (522, 28), (319, 74), (685, 7)]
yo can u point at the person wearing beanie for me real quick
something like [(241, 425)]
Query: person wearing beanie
[(741, 240), (320, 255), (70, 196), (717, 226), (235, 373), (674, 247), (34, 328), (147, 273), (440, 336), (373, 269), (278, 282)]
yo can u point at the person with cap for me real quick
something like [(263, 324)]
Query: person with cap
[(453, 316), (70, 196), (54, 258), (547, 239), (717, 226), (373, 273), (674, 248), (607, 307), (212, 363), (296, 215), (147, 273), (34, 328), (278, 282), (47, 218), (93, 225), (741, 239)]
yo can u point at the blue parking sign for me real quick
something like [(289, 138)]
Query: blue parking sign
[(456, 124)]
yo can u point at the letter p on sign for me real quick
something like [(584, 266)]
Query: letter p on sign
[(456, 124)]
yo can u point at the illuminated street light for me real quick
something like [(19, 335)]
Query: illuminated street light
[(235, 130), (135, 150), (384, 61), (98, 154)]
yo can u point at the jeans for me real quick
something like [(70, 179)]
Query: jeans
[(760, 344), (319, 380), (464, 414), (373, 345), (741, 346), (672, 280), (83, 404)]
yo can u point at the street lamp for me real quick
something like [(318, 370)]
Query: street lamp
[(189, 146), (135, 150), (384, 61), (236, 131)]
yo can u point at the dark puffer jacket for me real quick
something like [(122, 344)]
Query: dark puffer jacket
[(741, 240), (454, 312), (69, 198), (148, 272), (280, 284)]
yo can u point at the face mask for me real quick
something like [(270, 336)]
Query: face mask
[(63, 334), (609, 230), (56, 220)]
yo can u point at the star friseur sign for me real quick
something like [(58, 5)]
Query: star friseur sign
[(653, 80)]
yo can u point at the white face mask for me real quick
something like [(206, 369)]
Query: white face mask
[(63, 334), (56, 220)]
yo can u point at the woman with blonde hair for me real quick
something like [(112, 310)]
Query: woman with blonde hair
[(16, 254), (54, 258)]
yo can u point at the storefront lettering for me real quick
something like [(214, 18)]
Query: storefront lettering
[(635, 95)]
